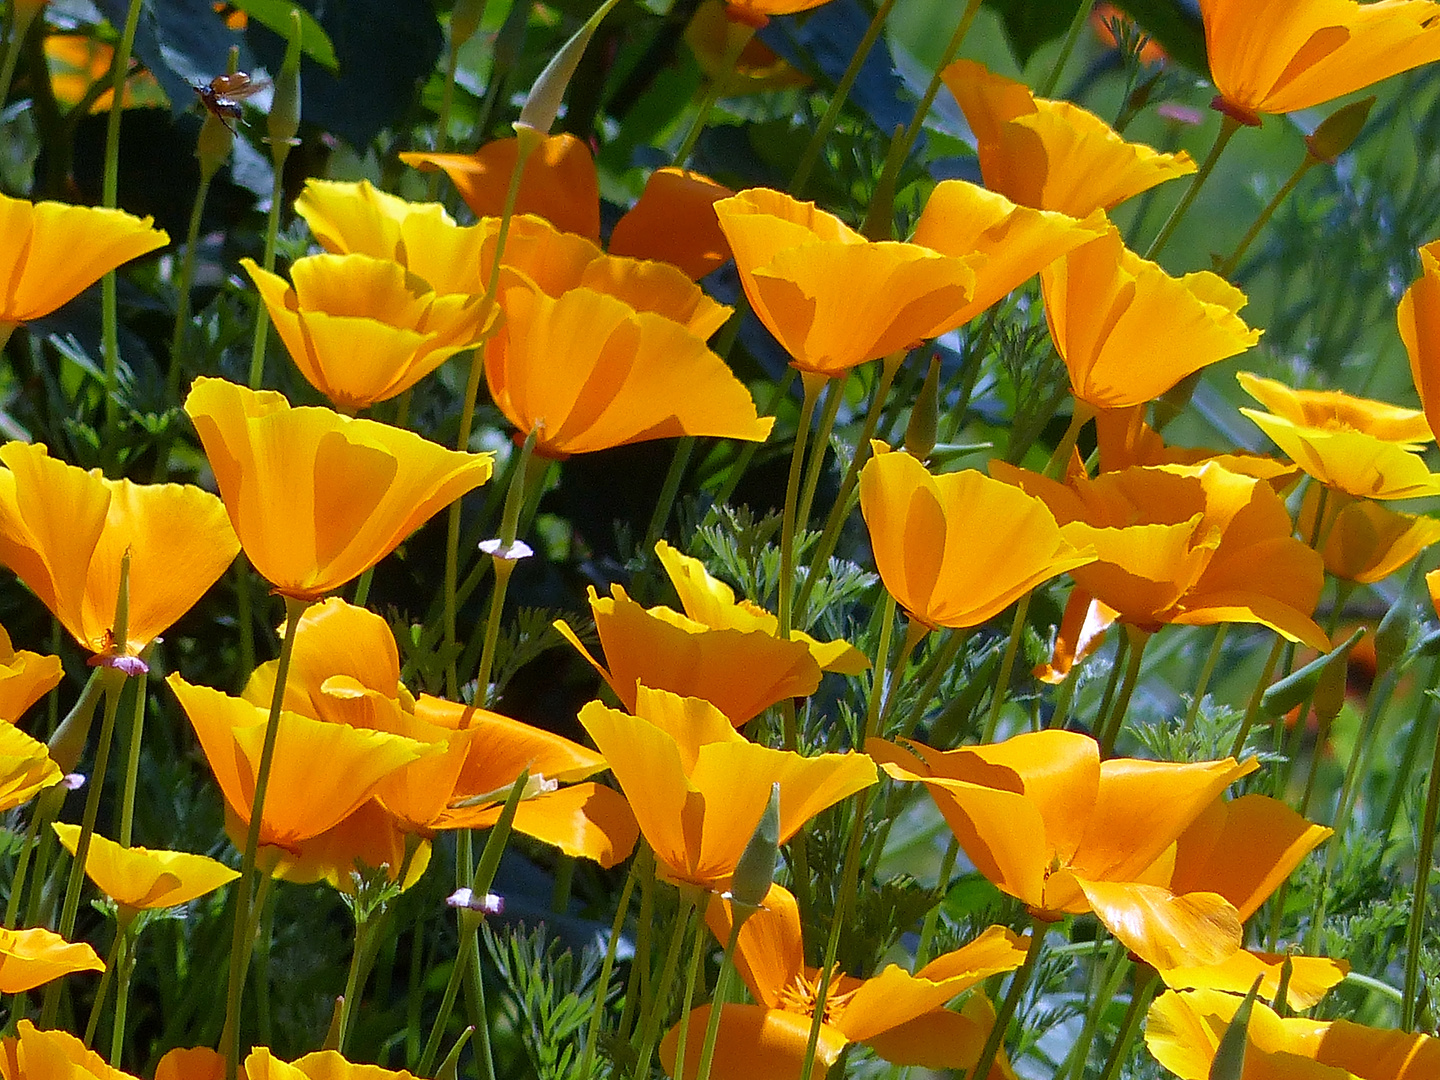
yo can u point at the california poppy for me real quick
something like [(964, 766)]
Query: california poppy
[(1044, 819), (964, 220), (1309, 977), (50, 252), (1053, 155), (587, 371), (318, 1065), (317, 498), (25, 767), (958, 548), (32, 1054), (1355, 445), (1183, 1032), (674, 222), (139, 878), (64, 531), (25, 677), (698, 787), (1277, 56), (33, 957), (1361, 540), (798, 265), (1418, 315), (361, 329), (1128, 331), (901, 1016), (713, 36)]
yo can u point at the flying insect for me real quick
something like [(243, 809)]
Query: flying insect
[(222, 95)]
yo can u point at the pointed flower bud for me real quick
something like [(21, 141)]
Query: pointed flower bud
[(284, 120), (542, 105), (755, 872), (1338, 130), (925, 415)]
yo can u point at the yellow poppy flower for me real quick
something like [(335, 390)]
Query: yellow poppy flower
[(1310, 977), (1045, 820), (362, 329), (25, 677), (1196, 545), (356, 218), (1128, 331), (587, 371), (64, 532), (698, 787), (902, 1017), (1053, 155), (50, 252), (1277, 56), (31, 958), (1183, 1032), (962, 219), (1355, 445), (799, 264), (318, 498), (301, 800), (1418, 315), (1363, 541), (559, 182), (345, 669), (725, 652), (320, 1065), (957, 549), (136, 877), (25, 767)]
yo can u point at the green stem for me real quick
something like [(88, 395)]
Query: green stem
[(1424, 856), (1101, 987), (182, 288), (20, 24), (1138, 639), (1080, 414), (650, 1032), (811, 154), (526, 475), (687, 999), (1072, 35), (1139, 1001), (241, 939), (109, 304), (717, 1003), (1007, 665), (1227, 268), (813, 384), (262, 313), (940, 664), (932, 917), (1420, 726), (1252, 710), (1228, 126), (364, 943), (132, 762), (1018, 982), (834, 395), (714, 92), (684, 448), (741, 464), (1212, 658), (125, 919), (607, 966)]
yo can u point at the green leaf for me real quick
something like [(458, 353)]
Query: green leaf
[(1173, 27), (275, 14), (1029, 24)]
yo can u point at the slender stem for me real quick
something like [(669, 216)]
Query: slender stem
[(834, 395), (102, 992), (650, 1032), (1007, 665), (952, 49), (109, 304), (813, 384), (880, 667), (698, 948), (932, 917), (525, 476), (132, 763), (684, 448), (1227, 268), (748, 451), (1102, 988), (1018, 982), (811, 154), (272, 231), (1420, 727), (740, 36), (1072, 35), (1138, 639), (602, 986), (1212, 658), (241, 940), (717, 1003), (1252, 710), (20, 22), (1228, 126), (1139, 1001), (1424, 856), (182, 287), (940, 663), (125, 919), (1080, 414), (364, 935)]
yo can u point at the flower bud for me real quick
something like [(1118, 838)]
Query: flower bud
[(284, 119), (1290, 691), (1338, 130), (925, 415), (542, 104), (755, 872)]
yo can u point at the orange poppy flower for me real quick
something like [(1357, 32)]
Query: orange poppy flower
[(674, 222), (587, 371), (41, 1055), (757, 13), (319, 1065), (138, 878), (958, 549), (728, 653), (712, 36), (1195, 545), (1355, 445), (1128, 331), (1125, 439), (191, 1063), (361, 329), (356, 218), (698, 787), (31, 958), (301, 800), (559, 182), (25, 768), (77, 61), (902, 1017), (1277, 56), (25, 677), (962, 219), (1419, 317), (345, 669), (1053, 155), (799, 264), (1363, 541), (1048, 822), (1183, 1032), (50, 252), (318, 498), (64, 532)]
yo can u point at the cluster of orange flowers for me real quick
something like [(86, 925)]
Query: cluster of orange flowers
[(586, 349)]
